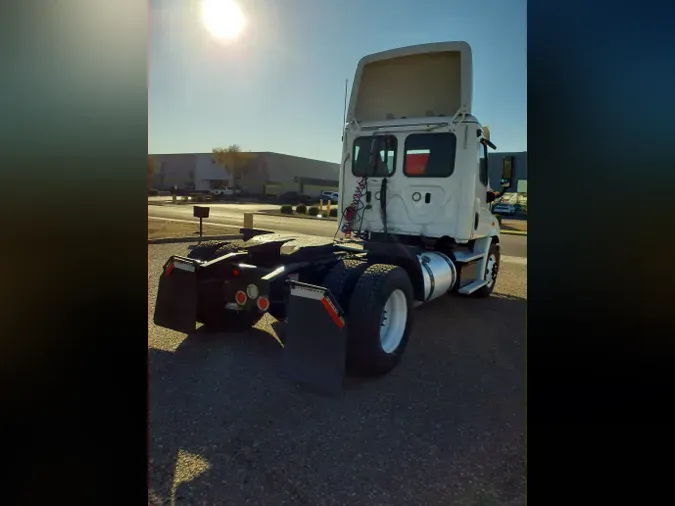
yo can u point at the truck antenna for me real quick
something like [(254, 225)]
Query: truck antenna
[(344, 113)]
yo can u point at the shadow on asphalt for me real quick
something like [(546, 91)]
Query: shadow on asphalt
[(506, 226), (446, 427)]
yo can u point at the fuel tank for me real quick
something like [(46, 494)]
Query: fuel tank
[(439, 274)]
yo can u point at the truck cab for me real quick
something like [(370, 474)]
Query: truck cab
[(411, 161)]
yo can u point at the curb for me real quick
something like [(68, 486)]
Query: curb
[(335, 220), (297, 216), (506, 232), (170, 240)]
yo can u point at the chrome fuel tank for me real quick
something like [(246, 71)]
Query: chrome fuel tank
[(439, 273)]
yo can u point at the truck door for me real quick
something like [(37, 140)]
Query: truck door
[(418, 193)]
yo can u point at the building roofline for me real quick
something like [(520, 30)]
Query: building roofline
[(252, 152)]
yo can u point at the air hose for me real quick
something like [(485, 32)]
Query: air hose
[(349, 214)]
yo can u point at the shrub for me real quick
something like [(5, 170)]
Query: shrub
[(301, 209), (333, 212), (313, 211), (287, 209)]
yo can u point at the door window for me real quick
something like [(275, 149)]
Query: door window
[(374, 156), (430, 155)]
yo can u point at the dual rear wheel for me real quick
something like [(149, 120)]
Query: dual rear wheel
[(378, 300)]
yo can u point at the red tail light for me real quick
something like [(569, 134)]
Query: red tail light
[(263, 303), (169, 269), (240, 297)]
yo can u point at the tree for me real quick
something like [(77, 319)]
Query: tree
[(233, 159), (153, 167)]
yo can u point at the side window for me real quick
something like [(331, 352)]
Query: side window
[(430, 155), (374, 156), (482, 165)]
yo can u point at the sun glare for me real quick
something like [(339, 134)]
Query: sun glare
[(223, 18)]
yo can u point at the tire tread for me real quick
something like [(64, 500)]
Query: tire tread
[(342, 279), (364, 350)]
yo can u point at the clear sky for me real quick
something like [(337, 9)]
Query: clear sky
[(280, 85)]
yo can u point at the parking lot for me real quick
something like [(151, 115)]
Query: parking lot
[(446, 427)]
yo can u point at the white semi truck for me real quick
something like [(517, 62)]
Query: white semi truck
[(414, 225)]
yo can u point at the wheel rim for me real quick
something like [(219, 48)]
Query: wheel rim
[(491, 270), (393, 321)]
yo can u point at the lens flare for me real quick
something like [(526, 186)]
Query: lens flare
[(224, 19)]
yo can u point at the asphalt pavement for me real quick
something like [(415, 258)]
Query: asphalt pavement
[(232, 215), (445, 427)]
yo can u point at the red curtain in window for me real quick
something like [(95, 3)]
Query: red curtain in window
[(416, 163)]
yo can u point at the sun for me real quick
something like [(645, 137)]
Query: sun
[(223, 18)]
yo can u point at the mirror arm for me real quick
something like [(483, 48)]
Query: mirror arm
[(490, 145)]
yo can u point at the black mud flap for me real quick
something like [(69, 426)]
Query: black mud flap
[(176, 305), (315, 347)]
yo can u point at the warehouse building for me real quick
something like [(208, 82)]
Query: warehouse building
[(266, 174), (274, 173)]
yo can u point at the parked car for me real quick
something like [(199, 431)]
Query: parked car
[(294, 197), (228, 191), (332, 196), (504, 208)]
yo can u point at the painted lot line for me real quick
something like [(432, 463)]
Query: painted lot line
[(514, 260), (504, 258)]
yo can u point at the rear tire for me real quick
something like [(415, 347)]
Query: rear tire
[(371, 348), (342, 279), (205, 250), (226, 249)]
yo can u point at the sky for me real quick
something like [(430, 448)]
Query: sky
[(280, 85)]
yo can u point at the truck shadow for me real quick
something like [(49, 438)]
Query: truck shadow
[(224, 423)]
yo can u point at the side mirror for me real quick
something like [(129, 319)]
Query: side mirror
[(507, 172)]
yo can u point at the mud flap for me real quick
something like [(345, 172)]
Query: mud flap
[(176, 305), (315, 347)]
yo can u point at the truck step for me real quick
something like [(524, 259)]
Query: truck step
[(467, 256), (472, 287)]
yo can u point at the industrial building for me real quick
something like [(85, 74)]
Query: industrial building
[(274, 173), (266, 174)]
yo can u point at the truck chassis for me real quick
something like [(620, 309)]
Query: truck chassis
[(345, 303)]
